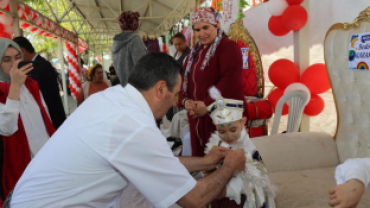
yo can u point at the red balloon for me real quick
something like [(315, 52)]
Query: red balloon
[(5, 35), (276, 27), (294, 2), (315, 106), (294, 17), (7, 8), (283, 72), (316, 79), (25, 25), (274, 97)]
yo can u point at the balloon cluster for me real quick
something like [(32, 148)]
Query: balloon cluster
[(6, 22), (74, 70), (285, 75), (44, 26), (287, 15)]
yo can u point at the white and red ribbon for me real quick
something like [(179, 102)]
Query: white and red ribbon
[(74, 70)]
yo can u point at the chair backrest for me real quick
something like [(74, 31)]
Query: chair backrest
[(350, 87), (238, 32), (297, 101)]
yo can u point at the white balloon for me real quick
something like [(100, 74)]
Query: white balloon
[(9, 29), (29, 28), (277, 7), (3, 3), (6, 20), (297, 86), (40, 22)]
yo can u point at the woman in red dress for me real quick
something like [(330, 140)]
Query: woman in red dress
[(214, 61)]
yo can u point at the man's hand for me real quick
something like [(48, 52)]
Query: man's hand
[(346, 195), (215, 157), (235, 160)]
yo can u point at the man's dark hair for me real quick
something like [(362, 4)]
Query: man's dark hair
[(154, 67), (112, 70), (24, 43), (179, 35)]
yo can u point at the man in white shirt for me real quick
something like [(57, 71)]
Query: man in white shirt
[(111, 142)]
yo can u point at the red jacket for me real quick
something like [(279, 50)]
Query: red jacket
[(15, 154), (224, 71)]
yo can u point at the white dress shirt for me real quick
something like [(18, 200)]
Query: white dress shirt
[(108, 143), (31, 116), (358, 168), (34, 58)]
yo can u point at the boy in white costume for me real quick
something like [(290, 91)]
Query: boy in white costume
[(353, 177), (250, 188)]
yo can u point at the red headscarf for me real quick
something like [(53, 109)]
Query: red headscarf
[(129, 20)]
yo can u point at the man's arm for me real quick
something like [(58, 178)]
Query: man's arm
[(208, 188), (208, 162)]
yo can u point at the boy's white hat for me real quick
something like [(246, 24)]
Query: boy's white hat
[(224, 110)]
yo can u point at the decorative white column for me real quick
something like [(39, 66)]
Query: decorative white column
[(302, 56), (61, 63)]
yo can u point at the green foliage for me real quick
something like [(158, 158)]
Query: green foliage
[(241, 4), (49, 45)]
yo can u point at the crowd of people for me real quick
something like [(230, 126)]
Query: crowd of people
[(110, 151)]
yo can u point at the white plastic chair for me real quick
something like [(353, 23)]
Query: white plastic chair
[(297, 102)]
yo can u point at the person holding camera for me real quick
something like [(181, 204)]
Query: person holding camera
[(25, 124), (46, 78)]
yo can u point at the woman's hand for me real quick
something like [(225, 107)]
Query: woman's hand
[(190, 106), (18, 76), (200, 109), (346, 195)]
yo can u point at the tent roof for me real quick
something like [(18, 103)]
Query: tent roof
[(156, 16)]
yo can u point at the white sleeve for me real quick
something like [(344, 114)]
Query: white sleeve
[(358, 168), (9, 114), (146, 160)]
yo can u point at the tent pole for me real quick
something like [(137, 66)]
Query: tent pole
[(14, 10), (61, 63), (302, 57)]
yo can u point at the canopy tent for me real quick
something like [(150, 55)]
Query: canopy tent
[(156, 16), (101, 16)]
